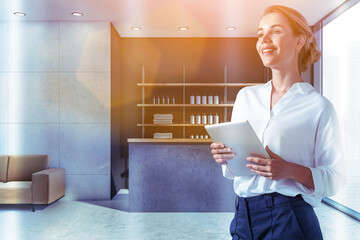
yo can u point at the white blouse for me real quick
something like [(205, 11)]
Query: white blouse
[(301, 128)]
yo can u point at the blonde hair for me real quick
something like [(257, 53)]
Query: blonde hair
[(309, 53)]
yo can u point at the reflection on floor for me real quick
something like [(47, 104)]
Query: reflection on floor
[(76, 220)]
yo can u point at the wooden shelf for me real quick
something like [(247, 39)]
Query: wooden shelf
[(186, 105), (181, 90), (171, 125), (169, 140), (197, 84)]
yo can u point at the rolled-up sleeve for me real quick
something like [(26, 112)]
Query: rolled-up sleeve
[(227, 173), (328, 172)]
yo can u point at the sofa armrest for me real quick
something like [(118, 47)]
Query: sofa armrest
[(48, 185)]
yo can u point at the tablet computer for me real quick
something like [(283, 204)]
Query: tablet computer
[(242, 139)]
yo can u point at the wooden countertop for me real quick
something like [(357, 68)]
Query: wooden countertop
[(168, 140)]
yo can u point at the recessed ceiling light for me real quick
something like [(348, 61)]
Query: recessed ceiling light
[(230, 28), (183, 28), (19, 14), (77, 14), (136, 28)]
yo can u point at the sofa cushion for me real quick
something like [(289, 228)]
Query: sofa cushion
[(15, 193), (21, 167), (3, 167)]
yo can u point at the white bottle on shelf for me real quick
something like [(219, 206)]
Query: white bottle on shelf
[(210, 119), (216, 99), (173, 100), (163, 100), (158, 99), (216, 118), (168, 100), (192, 119), (192, 99), (204, 98), (154, 100), (198, 99), (198, 119), (204, 119), (210, 99)]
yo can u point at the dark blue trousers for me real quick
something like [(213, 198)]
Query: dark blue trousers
[(274, 216)]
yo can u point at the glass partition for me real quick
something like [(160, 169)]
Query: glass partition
[(341, 85)]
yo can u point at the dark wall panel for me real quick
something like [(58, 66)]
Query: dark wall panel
[(163, 58), (118, 165)]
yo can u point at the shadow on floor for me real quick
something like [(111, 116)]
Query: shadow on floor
[(22, 207), (119, 202)]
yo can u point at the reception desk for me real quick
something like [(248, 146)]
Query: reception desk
[(176, 176)]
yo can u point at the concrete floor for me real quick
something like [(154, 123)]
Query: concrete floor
[(77, 220)]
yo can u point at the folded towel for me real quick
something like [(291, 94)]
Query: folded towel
[(162, 135), (162, 121), (163, 116)]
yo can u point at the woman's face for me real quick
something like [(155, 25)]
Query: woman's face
[(277, 44)]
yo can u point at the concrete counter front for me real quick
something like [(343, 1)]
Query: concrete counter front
[(176, 176)]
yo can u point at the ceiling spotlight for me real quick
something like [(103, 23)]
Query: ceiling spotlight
[(77, 14), (19, 14), (230, 28), (183, 28), (136, 28)]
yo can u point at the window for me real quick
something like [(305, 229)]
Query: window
[(341, 85)]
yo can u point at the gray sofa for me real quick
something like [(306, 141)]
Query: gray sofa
[(27, 179)]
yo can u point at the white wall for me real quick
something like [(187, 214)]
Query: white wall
[(55, 99)]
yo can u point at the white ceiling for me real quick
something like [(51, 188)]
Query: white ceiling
[(161, 18)]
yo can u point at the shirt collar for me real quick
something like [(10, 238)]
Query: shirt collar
[(302, 87)]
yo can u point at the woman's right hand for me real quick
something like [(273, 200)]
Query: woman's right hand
[(221, 153)]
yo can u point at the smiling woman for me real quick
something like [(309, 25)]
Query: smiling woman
[(299, 130), (294, 32)]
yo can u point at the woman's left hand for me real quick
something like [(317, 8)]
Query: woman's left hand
[(273, 168)]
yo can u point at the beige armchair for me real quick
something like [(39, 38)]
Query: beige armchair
[(27, 179)]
